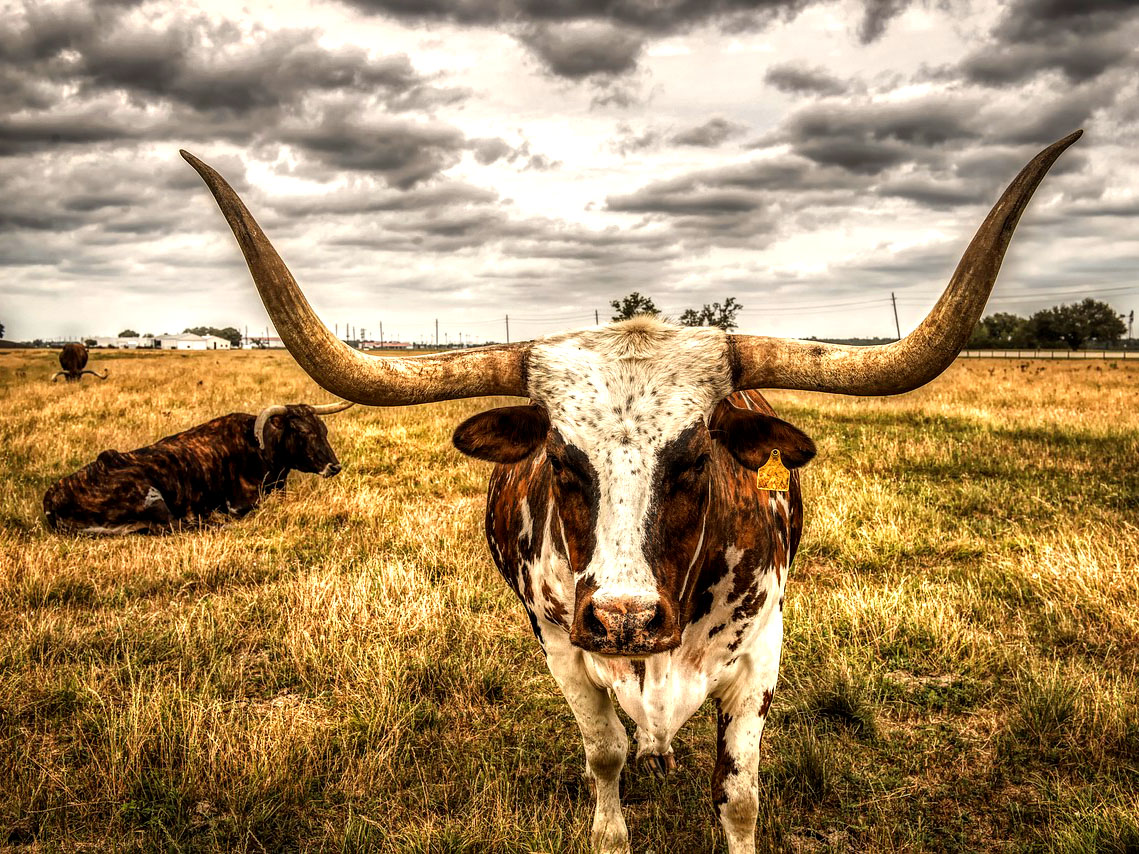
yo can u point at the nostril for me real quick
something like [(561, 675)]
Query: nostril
[(593, 624), (656, 624)]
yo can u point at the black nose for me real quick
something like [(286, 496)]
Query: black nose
[(331, 469)]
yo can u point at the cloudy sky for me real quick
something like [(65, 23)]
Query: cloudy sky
[(467, 159)]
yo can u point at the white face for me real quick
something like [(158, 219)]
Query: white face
[(620, 394)]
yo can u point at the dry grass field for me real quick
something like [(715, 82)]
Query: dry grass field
[(343, 670)]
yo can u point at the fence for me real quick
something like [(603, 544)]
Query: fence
[(1050, 354)]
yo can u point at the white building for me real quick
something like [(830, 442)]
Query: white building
[(190, 341), (124, 343)]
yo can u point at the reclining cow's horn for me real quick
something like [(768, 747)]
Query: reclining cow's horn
[(348, 373), (928, 350), (262, 419), (330, 408)]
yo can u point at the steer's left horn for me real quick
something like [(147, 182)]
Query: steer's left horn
[(106, 373), (928, 350), (330, 408), (348, 373)]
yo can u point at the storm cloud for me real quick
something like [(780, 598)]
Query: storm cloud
[(465, 159)]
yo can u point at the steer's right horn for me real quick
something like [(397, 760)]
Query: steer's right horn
[(106, 373), (348, 373), (903, 365)]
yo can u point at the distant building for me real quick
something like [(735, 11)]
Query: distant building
[(190, 341), (386, 345), (261, 342), (124, 343)]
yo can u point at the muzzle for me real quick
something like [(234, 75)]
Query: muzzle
[(624, 625)]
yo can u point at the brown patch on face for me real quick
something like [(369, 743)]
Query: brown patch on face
[(512, 485), (675, 518), (576, 491), (743, 518)]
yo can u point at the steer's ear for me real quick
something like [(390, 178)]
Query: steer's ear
[(504, 435), (751, 436)]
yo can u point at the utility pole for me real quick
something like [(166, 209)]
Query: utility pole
[(1130, 323), (437, 332), (596, 321), (381, 335), (897, 326), (337, 325), (508, 328)]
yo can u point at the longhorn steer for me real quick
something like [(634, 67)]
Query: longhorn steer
[(227, 464), (622, 509), (73, 358)]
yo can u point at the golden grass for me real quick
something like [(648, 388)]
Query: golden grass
[(344, 671)]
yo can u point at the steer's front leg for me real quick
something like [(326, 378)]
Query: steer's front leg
[(742, 714), (606, 744)]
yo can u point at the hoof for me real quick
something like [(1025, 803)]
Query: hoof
[(660, 765)]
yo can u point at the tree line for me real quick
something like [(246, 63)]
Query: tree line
[(229, 333), (722, 315), (1072, 325)]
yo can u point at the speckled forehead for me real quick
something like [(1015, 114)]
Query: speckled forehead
[(614, 384)]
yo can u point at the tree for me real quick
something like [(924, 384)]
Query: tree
[(632, 305), (1, 330), (1002, 330), (1077, 323), (228, 333), (128, 333), (714, 314)]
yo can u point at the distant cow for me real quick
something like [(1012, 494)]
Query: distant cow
[(73, 359), (225, 465)]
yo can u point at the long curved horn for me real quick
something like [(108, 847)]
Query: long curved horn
[(106, 373), (262, 418), (348, 373), (57, 375), (927, 351), (330, 408)]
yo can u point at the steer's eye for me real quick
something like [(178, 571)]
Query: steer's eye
[(555, 464), (699, 464)]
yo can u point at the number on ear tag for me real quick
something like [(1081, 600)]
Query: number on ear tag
[(773, 476)]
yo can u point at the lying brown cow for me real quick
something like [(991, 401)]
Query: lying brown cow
[(225, 465)]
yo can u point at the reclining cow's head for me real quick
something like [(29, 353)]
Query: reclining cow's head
[(622, 414), (632, 437), (294, 437)]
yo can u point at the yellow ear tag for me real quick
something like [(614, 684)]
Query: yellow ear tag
[(773, 475)]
